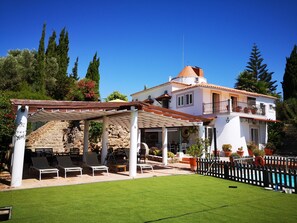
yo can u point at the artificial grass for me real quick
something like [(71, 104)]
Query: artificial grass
[(185, 198)]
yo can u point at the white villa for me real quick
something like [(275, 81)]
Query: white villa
[(238, 117)]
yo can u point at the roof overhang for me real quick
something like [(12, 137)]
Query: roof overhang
[(259, 119), (119, 113)]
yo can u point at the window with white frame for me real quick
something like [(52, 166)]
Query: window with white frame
[(185, 99)]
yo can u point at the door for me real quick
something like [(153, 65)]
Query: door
[(215, 102)]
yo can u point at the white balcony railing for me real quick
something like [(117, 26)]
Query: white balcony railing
[(228, 107)]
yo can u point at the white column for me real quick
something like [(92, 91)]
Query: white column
[(86, 140), (104, 139), (138, 140), (17, 161), (201, 131), (133, 143), (164, 146)]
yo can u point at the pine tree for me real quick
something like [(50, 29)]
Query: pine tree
[(39, 78), (246, 81), (260, 71), (74, 74), (289, 83), (93, 72), (256, 77)]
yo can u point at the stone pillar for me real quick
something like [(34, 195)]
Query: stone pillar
[(133, 143), (86, 139), (17, 160), (164, 146), (104, 139)]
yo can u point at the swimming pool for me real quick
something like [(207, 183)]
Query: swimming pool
[(280, 178)]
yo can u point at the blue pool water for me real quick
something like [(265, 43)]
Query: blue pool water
[(280, 179)]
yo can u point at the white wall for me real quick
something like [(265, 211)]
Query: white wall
[(229, 131)]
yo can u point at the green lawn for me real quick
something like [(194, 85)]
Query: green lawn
[(186, 198)]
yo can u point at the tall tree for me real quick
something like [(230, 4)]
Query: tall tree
[(257, 78), (51, 50), (74, 74), (39, 78), (63, 83), (93, 72), (289, 83)]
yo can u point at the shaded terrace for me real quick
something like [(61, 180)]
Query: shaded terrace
[(131, 115)]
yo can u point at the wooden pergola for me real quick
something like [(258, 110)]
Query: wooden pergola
[(131, 115)]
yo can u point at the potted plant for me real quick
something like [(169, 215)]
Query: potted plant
[(238, 108), (196, 150), (227, 148), (246, 110), (240, 151), (233, 156), (259, 157), (269, 148), (251, 147), (254, 110)]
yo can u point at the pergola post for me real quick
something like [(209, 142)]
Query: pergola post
[(104, 139), (86, 139), (17, 160), (133, 142), (164, 146)]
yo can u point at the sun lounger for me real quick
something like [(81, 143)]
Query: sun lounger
[(41, 164), (145, 166), (93, 163), (65, 163)]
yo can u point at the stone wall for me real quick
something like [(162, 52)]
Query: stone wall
[(63, 135)]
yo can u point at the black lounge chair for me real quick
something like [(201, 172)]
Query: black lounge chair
[(41, 164), (65, 163), (93, 163)]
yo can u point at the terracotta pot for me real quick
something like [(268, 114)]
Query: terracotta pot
[(259, 161), (228, 153), (268, 151), (193, 163), (250, 152), (240, 153)]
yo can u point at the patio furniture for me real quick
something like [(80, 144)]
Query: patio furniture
[(143, 152), (41, 164), (93, 163), (65, 163), (118, 167), (145, 166)]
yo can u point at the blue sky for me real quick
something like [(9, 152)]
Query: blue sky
[(142, 42)]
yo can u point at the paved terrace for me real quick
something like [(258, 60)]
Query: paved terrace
[(30, 179)]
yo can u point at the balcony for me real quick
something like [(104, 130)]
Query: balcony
[(222, 107)]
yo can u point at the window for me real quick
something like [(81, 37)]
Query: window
[(255, 135), (185, 99), (251, 102)]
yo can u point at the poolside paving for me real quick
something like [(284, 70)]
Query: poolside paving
[(30, 180)]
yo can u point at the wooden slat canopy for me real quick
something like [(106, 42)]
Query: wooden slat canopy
[(149, 116)]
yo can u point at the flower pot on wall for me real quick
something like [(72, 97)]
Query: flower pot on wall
[(268, 151), (240, 153), (259, 161), (228, 153), (250, 151)]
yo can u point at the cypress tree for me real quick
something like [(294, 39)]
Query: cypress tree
[(38, 80), (63, 83), (74, 74), (93, 72), (289, 83), (51, 50)]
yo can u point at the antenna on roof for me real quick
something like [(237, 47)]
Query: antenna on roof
[(183, 52)]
